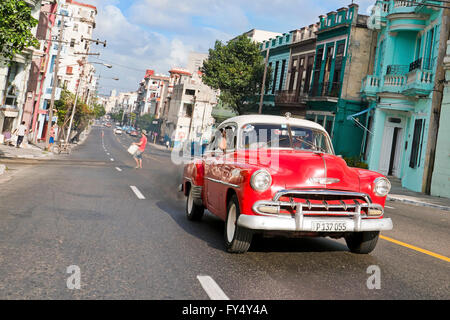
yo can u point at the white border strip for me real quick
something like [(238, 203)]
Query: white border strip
[(211, 288), (137, 193)]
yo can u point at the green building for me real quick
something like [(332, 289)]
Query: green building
[(343, 54)]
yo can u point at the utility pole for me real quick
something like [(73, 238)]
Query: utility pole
[(263, 82), (75, 103), (55, 82)]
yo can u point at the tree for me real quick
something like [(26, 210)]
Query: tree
[(145, 122), (83, 114), (99, 111), (237, 70), (16, 23)]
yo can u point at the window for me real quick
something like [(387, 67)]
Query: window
[(283, 67), (428, 61), (231, 137), (416, 147), (190, 92), (186, 110), (75, 27), (317, 69), (69, 70), (275, 77), (72, 43)]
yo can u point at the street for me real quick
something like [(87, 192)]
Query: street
[(127, 232)]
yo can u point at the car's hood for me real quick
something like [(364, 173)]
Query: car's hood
[(302, 169)]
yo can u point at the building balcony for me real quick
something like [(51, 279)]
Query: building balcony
[(419, 83), (394, 83), (329, 91), (403, 6), (370, 86), (289, 97)]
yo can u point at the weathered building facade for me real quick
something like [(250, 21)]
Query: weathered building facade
[(292, 97), (400, 91), (344, 51)]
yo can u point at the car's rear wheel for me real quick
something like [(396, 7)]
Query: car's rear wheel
[(237, 239), (362, 242), (194, 212)]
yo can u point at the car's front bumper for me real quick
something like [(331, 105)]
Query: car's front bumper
[(331, 216), (265, 223)]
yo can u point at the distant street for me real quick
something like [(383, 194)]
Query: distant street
[(127, 232)]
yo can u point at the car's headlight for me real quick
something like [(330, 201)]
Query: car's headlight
[(261, 180), (381, 186)]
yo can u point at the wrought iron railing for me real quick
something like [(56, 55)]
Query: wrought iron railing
[(396, 69), (415, 65)]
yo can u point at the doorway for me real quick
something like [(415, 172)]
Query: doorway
[(391, 148)]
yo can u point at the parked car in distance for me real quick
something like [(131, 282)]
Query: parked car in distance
[(134, 133), (118, 131), (108, 125), (279, 176)]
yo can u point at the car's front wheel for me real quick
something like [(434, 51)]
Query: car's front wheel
[(194, 212), (237, 239), (362, 242)]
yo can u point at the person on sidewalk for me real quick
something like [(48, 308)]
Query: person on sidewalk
[(141, 144), (52, 136), (20, 131)]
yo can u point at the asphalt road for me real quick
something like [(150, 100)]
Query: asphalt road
[(83, 211)]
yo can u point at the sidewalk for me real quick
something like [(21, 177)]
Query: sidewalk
[(398, 193), (26, 151)]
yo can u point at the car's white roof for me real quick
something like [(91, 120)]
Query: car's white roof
[(268, 119)]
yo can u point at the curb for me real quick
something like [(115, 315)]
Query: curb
[(417, 202)]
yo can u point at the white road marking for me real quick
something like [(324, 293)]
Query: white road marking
[(137, 193), (211, 288), (108, 153), (112, 159), (389, 207), (118, 169)]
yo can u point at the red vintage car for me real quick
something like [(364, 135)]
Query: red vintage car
[(271, 174)]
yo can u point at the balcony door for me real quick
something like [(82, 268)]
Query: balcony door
[(391, 148)]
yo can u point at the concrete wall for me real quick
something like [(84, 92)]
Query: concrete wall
[(360, 57)]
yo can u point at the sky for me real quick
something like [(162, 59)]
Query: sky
[(159, 34)]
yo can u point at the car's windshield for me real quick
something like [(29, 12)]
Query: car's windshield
[(284, 136)]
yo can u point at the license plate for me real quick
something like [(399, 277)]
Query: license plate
[(329, 226)]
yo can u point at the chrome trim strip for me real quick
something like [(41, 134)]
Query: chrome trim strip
[(329, 211), (222, 182), (281, 193)]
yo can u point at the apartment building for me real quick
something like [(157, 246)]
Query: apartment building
[(344, 52), (400, 90), (74, 70), (17, 87)]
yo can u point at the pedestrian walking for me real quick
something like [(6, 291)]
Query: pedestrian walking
[(20, 131), (141, 144), (52, 136)]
